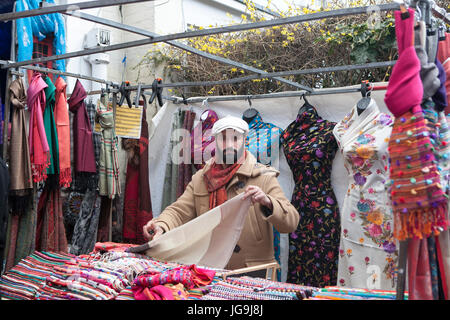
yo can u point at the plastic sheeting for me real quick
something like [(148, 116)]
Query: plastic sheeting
[(40, 26), (279, 111)]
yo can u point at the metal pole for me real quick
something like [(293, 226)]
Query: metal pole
[(272, 75), (65, 8), (179, 45), (6, 116), (401, 275), (63, 73), (318, 92), (204, 32)]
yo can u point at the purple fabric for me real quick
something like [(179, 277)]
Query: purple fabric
[(440, 97), (201, 138), (405, 89), (82, 131)]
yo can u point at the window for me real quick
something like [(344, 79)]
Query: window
[(41, 49)]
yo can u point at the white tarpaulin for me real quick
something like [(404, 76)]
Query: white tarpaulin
[(279, 111)]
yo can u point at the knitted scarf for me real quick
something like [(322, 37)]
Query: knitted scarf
[(216, 178), (63, 128), (50, 127), (20, 166), (82, 131), (39, 150)]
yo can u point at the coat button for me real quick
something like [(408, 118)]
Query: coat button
[(240, 184), (237, 249)]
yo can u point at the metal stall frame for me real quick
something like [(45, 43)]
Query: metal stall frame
[(73, 10)]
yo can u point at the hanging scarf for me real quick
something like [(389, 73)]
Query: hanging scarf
[(50, 231), (405, 89), (50, 127), (39, 149), (19, 164), (109, 162), (137, 202), (82, 131), (216, 178), (63, 129), (185, 167), (202, 140)]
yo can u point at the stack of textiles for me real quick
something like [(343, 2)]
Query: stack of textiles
[(99, 275), (339, 293), (248, 288)]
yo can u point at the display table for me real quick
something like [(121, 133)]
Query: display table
[(114, 274)]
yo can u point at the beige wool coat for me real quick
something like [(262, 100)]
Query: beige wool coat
[(255, 245)]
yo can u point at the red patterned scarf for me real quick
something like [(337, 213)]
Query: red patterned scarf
[(216, 178)]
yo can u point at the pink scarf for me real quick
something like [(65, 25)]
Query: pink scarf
[(405, 88), (39, 150)]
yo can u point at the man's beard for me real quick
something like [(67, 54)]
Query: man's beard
[(230, 155)]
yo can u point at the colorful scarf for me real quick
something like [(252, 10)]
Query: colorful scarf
[(19, 164), (419, 203), (82, 131), (216, 178), (63, 129), (137, 202), (109, 184), (50, 127), (39, 149), (202, 140)]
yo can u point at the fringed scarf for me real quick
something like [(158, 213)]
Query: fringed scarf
[(82, 131), (137, 202), (20, 167), (63, 128), (50, 127), (216, 178), (418, 199), (39, 149)]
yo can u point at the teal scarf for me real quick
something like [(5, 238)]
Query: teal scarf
[(50, 127)]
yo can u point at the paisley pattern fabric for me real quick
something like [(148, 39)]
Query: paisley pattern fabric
[(310, 147), (368, 250), (262, 139)]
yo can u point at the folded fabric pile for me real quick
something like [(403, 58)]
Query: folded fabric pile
[(100, 276), (339, 293), (247, 288)]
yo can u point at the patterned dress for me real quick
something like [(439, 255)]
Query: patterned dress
[(310, 147), (262, 139), (368, 251)]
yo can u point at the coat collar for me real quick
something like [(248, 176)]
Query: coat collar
[(246, 169)]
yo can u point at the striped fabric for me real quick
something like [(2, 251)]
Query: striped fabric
[(109, 184)]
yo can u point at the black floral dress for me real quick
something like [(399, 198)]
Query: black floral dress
[(310, 147)]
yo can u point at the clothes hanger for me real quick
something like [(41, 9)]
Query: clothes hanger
[(306, 106), (250, 113), (205, 105), (365, 101)]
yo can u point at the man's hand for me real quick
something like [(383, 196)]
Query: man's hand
[(257, 195), (152, 231)]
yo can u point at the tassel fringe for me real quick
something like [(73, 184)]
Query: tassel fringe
[(421, 223)]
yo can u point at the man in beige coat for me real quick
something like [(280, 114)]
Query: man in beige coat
[(232, 171)]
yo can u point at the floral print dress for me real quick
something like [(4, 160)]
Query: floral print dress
[(368, 251), (310, 147)]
